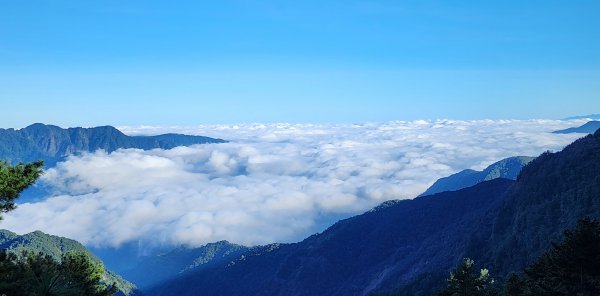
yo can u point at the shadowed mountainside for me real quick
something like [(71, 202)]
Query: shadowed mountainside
[(409, 247), (152, 270), (589, 127)]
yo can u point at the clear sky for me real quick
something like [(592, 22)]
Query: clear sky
[(192, 62)]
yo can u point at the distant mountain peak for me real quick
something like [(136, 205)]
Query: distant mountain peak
[(507, 168), (150, 270), (587, 128), (409, 247), (39, 125), (52, 143), (39, 233), (589, 116)]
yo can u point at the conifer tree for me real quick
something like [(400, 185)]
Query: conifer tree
[(515, 286), (571, 267), (39, 274), (466, 281), (15, 179)]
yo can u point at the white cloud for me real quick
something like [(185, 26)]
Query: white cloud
[(275, 182)]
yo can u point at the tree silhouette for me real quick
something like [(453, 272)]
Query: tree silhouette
[(15, 179), (515, 286), (465, 281), (571, 267), (41, 275)]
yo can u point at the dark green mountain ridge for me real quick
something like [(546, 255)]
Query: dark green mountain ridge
[(52, 144), (56, 247)]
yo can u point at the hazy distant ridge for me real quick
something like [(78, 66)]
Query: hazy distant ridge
[(590, 116), (409, 247), (587, 128), (52, 143)]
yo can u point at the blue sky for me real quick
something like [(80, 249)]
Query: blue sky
[(191, 62)]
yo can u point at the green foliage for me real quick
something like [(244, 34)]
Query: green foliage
[(515, 286), (466, 281), (15, 179), (38, 241), (56, 248), (408, 247), (35, 255), (39, 274), (87, 273), (571, 267), (552, 193)]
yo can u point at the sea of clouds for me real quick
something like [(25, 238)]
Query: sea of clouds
[(270, 183)]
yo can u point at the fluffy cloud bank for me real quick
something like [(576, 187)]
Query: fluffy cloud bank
[(277, 182)]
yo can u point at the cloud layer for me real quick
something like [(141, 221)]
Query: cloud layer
[(276, 182)]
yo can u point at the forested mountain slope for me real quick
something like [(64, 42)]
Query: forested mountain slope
[(52, 144), (408, 247), (56, 247)]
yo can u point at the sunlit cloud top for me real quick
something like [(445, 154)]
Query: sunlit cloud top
[(270, 183)]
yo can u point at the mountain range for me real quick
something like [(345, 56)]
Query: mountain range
[(155, 269), (507, 168), (590, 116), (402, 247), (56, 247), (587, 128), (151, 269), (408, 247), (53, 144)]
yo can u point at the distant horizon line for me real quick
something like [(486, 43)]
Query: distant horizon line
[(588, 117)]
